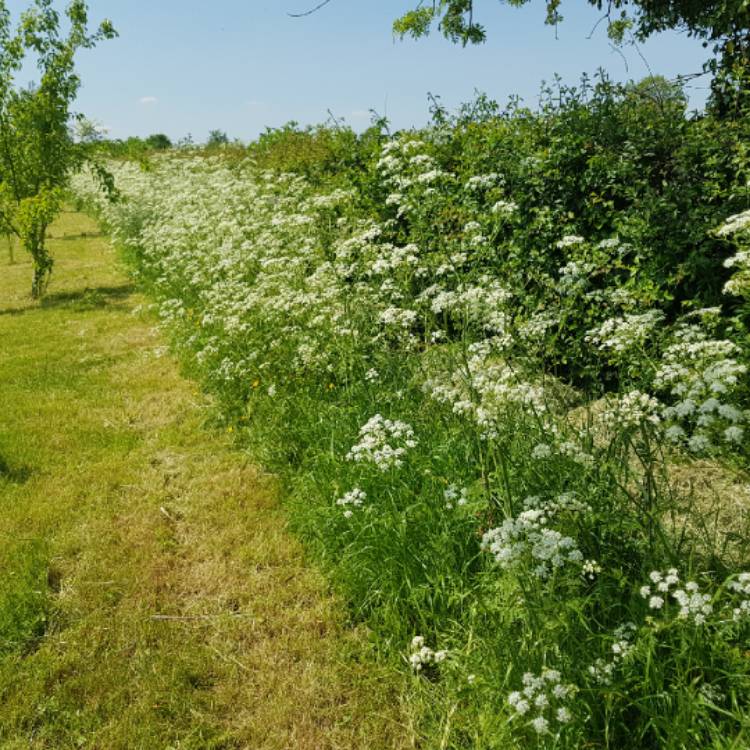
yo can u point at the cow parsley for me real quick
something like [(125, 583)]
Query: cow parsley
[(543, 701), (383, 443)]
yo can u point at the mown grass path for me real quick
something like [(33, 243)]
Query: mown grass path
[(150, 596)]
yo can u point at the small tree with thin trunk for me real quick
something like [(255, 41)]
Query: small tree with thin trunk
[(38, 152)]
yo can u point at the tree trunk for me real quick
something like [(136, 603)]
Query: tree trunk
[(42, 263)]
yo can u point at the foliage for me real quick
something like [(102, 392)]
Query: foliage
[(37, 150), (159, 142), (133, 147), (707, 19), (217, 138), (88, 131), (484, 356), (322, 154), (724, 23)]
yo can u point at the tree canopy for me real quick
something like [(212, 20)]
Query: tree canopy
[(723, 25), (217, 138), (707, 19)]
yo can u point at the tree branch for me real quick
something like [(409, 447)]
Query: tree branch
[(311, 11), (605, 17)]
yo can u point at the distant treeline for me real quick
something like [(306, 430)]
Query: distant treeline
[(135, 146)]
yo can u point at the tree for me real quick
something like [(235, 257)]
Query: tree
[(38, 150), (657, 90), (707, 19), (159, 142), (725, 24), (88, 131), (217, 138)]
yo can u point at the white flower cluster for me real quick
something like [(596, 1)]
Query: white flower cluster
[(632, 409), (487, 388), (455, 496), (702, 374), (574, 276), (621, 335), (711, 694), (504, 208), (739, 284), (543, 701), (741, 587), (483, 181), (528, 541), (735, 224), (389, 258), (483, 304), (398, 317), (566, 448), (602, 671), (569, 241), (353, 499), (590, 570), (562, 503), (692, 604), (536, 327), (375, 443), (409, 173), (541, 451), (576, 453), (423, 656)]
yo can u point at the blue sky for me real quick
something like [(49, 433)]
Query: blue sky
[(188, 66)]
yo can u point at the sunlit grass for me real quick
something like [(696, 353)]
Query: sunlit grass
[(150, 595)]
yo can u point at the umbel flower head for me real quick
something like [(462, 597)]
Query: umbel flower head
[(543, 702), (383, 443)]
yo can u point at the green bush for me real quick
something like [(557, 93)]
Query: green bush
[(323, 154)]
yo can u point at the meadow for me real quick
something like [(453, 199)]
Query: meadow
[(499, 365)]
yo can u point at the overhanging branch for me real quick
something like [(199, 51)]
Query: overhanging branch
[(311, 11)]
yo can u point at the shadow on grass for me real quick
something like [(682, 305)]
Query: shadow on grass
[(24, 598), (14, 474), (71, 237), (89, 298)]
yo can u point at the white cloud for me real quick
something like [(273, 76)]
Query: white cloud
[(360, 114), (148, 100)]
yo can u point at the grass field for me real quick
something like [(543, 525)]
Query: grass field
[(151, 596)]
